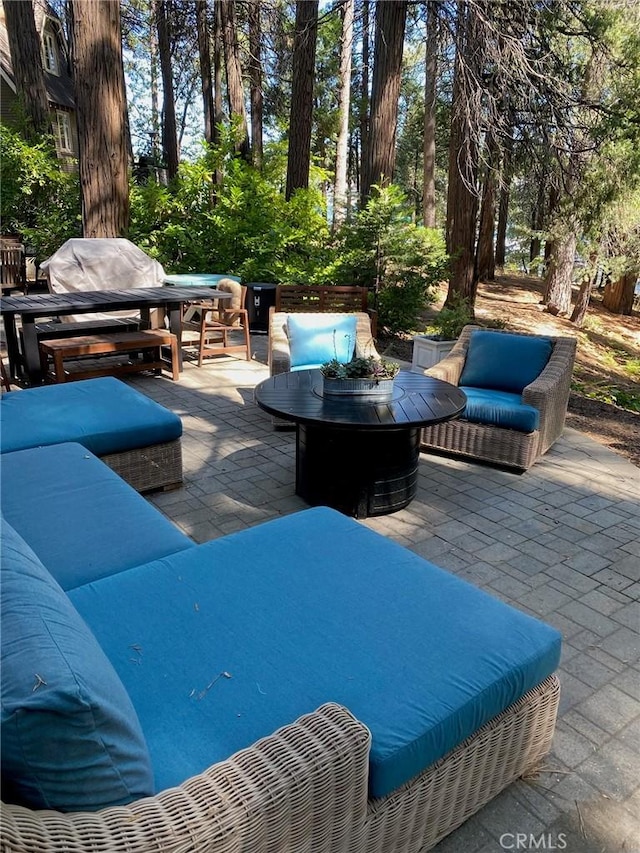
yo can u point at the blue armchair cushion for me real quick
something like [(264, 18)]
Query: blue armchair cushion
[(113, 528), (500, 409), (504, 362), (315, 339), (246, 633), (104, 415), (71, 739)]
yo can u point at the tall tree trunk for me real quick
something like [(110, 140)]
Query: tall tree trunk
[(217, 70), (557, 297), (102, 117), (391, 16), (364, 96), (205, 70), (618, 295), (429, 148), (24, 46), (584, 294), (485, 257), (346, 46), (170, 151), (462, 196), (537, 220), (255, 81), (155, 96), (304, 57), (235, 91)]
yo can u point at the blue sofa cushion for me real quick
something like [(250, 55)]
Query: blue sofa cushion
[(499, 408), (105, 415), (504, 362), (81, 518), (244, 634), (70, 736), (314, 338)]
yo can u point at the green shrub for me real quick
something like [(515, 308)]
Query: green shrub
[(401, 262), (39, 200)]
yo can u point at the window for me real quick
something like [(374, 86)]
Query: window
[(63, 132), (50, 53)]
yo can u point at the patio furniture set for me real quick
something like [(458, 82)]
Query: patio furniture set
[(305, 684)]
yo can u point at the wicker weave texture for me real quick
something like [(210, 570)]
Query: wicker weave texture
[(420, 814), (158, 466), (549, 393), (304, 788), (301, 789)]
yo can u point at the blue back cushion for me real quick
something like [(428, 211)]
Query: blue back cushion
[(104, 415), (504, 362), (99, 502), (316, 338), (71, 739), (246, 633)]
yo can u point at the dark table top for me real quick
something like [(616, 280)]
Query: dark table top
[(417, 401), (79, 301)]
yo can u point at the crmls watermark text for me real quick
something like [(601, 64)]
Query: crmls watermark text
[(528, 841)]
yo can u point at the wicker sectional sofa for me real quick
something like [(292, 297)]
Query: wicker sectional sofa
[(430, 696)]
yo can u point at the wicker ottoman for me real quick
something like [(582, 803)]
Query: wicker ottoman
[(135, 436)]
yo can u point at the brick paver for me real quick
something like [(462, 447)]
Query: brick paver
[(560, 541)]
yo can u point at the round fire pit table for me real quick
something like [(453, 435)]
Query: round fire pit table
[(359, 457)]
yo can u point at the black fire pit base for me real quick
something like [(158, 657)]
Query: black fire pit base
[(358, 472)]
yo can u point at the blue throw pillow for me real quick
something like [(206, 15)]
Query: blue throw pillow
[(504, 362), (71, 740), (316, 338)]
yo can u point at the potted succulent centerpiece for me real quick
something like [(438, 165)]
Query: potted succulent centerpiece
[(367, 378), (440, 336)]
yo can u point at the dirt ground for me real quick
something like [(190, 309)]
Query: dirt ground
[(604, 342)]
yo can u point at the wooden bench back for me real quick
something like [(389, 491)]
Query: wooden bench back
[(294, 298), (12, 267)]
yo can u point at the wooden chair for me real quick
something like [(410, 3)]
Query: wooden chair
[(13, 270), (293, 298), (219, 322)]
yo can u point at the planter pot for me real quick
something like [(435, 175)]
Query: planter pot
[(427, 352), (360, 389)]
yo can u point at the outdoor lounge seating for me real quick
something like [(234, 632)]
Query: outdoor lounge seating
[(180, 690), (321, 326), (137, 437), (517, 388), (301, 341)]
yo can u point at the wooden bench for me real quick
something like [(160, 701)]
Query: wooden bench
[(293, 298), (149, 340)]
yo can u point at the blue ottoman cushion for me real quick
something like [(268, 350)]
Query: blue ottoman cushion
[(314, 339), (81, 519), (70, 736), (504, 362), (499, 408), (104, 415), (242, 635)]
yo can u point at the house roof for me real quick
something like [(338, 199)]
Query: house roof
[(59, 87)]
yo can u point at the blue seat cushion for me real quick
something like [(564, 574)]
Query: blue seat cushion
[(80, 517), (317, 338), (70, 736), (105, 415), (504, 362), (499, 408), (244, 634)]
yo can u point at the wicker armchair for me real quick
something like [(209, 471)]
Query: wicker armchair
[(549, 393), (280, 352)]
